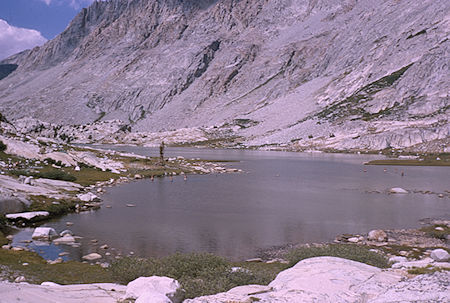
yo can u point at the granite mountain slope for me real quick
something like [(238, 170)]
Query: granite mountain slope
[(303, 73)]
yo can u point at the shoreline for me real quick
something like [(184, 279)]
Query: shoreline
[(406, 252)]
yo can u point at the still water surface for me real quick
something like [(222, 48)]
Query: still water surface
[(280, 198)]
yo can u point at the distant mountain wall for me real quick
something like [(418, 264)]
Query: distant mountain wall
[(323, 73)]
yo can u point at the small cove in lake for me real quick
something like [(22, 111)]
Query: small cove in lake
[(280, 198)]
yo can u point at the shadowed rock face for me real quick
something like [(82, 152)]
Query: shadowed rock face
[(6, 69), (338, 74)]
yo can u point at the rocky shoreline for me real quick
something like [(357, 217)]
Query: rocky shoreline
[(419, 271)]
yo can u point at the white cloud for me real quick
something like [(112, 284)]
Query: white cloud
[(76, 4), (16, 39)]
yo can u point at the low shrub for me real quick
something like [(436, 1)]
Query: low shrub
[(351, 252), (2, 146), (440, 233), (130, 268), (56, 175), (199, 273), (50, 174)]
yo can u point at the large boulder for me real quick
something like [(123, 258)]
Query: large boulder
[(11, 202), (155, 289), (44, 233), (377, 235), (330, 279), (440, 255)]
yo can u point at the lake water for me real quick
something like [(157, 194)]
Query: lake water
[(280, 198)]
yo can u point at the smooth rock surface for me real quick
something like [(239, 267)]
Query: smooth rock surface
[(81, 293), (159, 287), (330, 280)]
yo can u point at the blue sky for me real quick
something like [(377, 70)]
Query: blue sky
[(28, 23)]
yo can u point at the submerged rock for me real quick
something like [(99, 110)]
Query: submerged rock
[(92, 257), (67, 239)]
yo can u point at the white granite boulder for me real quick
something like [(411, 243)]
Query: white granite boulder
[(87, 197), (44, 233), (321, 279), (397, 190), (440, 255), (154, 289)]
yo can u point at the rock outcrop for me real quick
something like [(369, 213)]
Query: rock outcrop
[(329, 279), (306, 74), (321, 279)]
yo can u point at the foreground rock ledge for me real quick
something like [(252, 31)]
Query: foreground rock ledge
[(87, 293), (330, 279), (321, 279)]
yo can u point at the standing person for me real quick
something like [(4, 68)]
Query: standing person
[(161, 152)]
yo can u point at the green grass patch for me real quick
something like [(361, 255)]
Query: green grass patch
[(396, 250), (3, 239), (46, 172), (347, 251), (90, 175), (2, 146), (426, 270), (438, 234), (39, 271), (5, 157), (56, 175), (43, 203)]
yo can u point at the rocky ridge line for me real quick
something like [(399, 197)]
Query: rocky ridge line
[(303, 74)]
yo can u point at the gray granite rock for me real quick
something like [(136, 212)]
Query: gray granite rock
[(321, 74)]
